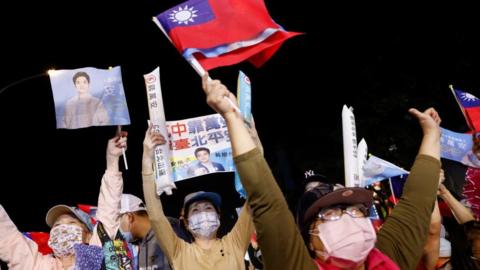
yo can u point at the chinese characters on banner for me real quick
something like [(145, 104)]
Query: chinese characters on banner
[(350, 148), (163, 171), (458, 147), (196, 146), (199, 146)]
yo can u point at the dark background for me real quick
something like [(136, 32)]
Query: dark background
[(380, 60)]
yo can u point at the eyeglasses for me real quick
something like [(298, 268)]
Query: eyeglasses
[(335, 212)]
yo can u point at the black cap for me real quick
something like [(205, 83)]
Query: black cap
[(326, 195)]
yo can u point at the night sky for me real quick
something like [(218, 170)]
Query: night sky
[(380, 62)]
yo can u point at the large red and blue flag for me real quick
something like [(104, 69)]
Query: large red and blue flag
[(470, 106), (221, 33)]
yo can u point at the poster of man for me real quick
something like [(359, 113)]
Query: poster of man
[(199, 146), (204, 164), (89, 97)]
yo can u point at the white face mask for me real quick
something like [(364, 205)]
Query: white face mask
[(62, 239), (203, 224), (348, 239)]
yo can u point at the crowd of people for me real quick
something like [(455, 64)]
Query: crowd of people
[(330, 229)]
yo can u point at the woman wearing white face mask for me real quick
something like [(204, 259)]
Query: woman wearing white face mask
[(207, 252), (75, 242)]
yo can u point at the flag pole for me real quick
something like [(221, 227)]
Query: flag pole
[(393, 192), (459, 105), (119, 133), (195, 64)]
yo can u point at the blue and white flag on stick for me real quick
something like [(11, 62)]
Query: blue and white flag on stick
[(377, 169), (458, 147), (244, 96), (89, 96)]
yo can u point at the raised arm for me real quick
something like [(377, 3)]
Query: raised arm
[(405, 231), (111, 188), (18, 251), (281, 244), (461, 213), (239, 134), (429, 120), (166, 237)]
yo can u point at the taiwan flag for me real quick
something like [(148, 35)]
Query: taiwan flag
[(41, 239), (470, 106), (221, 33)]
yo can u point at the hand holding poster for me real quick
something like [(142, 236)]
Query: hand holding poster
[(196, 146), (163, 171), (88, 96)]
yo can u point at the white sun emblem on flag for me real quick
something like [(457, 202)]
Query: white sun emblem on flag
[(469, 97), (183, 15)]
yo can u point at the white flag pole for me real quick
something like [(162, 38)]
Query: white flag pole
[(393, 192), (195, 64), (119, 132)]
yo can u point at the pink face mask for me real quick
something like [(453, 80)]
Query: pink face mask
[(347, 241)]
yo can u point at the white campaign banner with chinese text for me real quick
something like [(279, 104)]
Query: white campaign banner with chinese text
[(195, 146), (198, 146)]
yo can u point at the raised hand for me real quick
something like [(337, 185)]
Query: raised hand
[(114, 150), (429, 120), (116, 144), (216, 93), (152, 139)]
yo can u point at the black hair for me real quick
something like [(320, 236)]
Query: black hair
[(80, 74), (472, 231), (141, 213), (201, 149), (187, 207)]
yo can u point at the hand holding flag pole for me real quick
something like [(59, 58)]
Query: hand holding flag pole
[(195, 65), (119, 133)]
